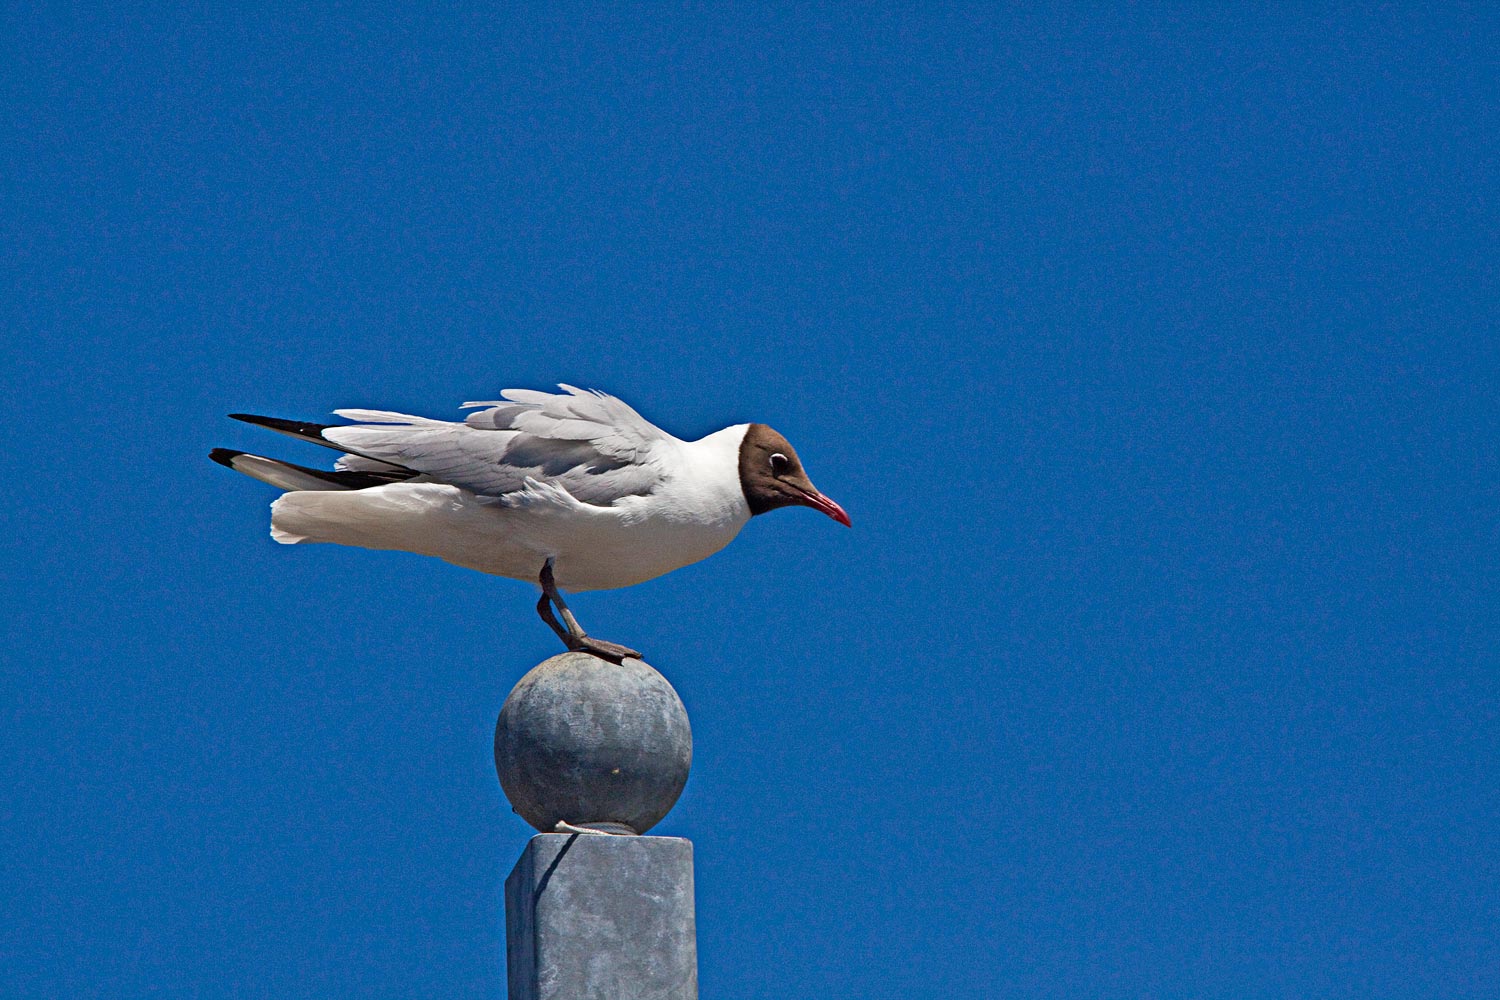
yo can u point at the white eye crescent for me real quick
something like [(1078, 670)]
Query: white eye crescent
[(779, 464)]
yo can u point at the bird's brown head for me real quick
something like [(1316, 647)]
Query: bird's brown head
[(771, 476)]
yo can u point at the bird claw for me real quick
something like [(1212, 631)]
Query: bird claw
[(605, 650)]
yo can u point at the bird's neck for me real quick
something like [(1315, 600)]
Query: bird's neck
[(712, 474)]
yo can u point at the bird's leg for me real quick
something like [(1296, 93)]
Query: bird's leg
[(568, 630), (544, 608)]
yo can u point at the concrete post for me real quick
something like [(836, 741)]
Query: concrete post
[(583, 745), (598, 917)]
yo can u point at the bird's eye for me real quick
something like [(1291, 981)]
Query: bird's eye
[(779, 464)]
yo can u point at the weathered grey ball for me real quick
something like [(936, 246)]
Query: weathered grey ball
[(584, 740)]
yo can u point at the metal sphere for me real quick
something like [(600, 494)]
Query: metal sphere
[(589, 742)]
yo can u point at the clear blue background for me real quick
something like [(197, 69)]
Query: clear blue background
[(1153, 352)]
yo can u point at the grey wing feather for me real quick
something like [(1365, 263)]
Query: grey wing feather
[(358, 463), (594, 446)]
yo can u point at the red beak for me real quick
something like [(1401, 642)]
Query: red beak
[(818, 501)]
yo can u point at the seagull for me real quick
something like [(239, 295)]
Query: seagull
[(574, 490)]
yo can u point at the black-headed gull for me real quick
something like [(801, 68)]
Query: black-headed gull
[(574, 490)]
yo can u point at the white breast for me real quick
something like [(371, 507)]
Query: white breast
[(698, 509)]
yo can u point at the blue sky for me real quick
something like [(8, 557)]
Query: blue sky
[(1153, 353)]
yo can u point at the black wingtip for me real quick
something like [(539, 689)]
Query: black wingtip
[(310, 432), (296, 428), (225, 456)]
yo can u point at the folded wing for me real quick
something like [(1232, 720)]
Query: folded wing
[(592, 445)]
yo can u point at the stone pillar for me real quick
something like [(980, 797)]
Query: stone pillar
[(598, 752), (598, 917)]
